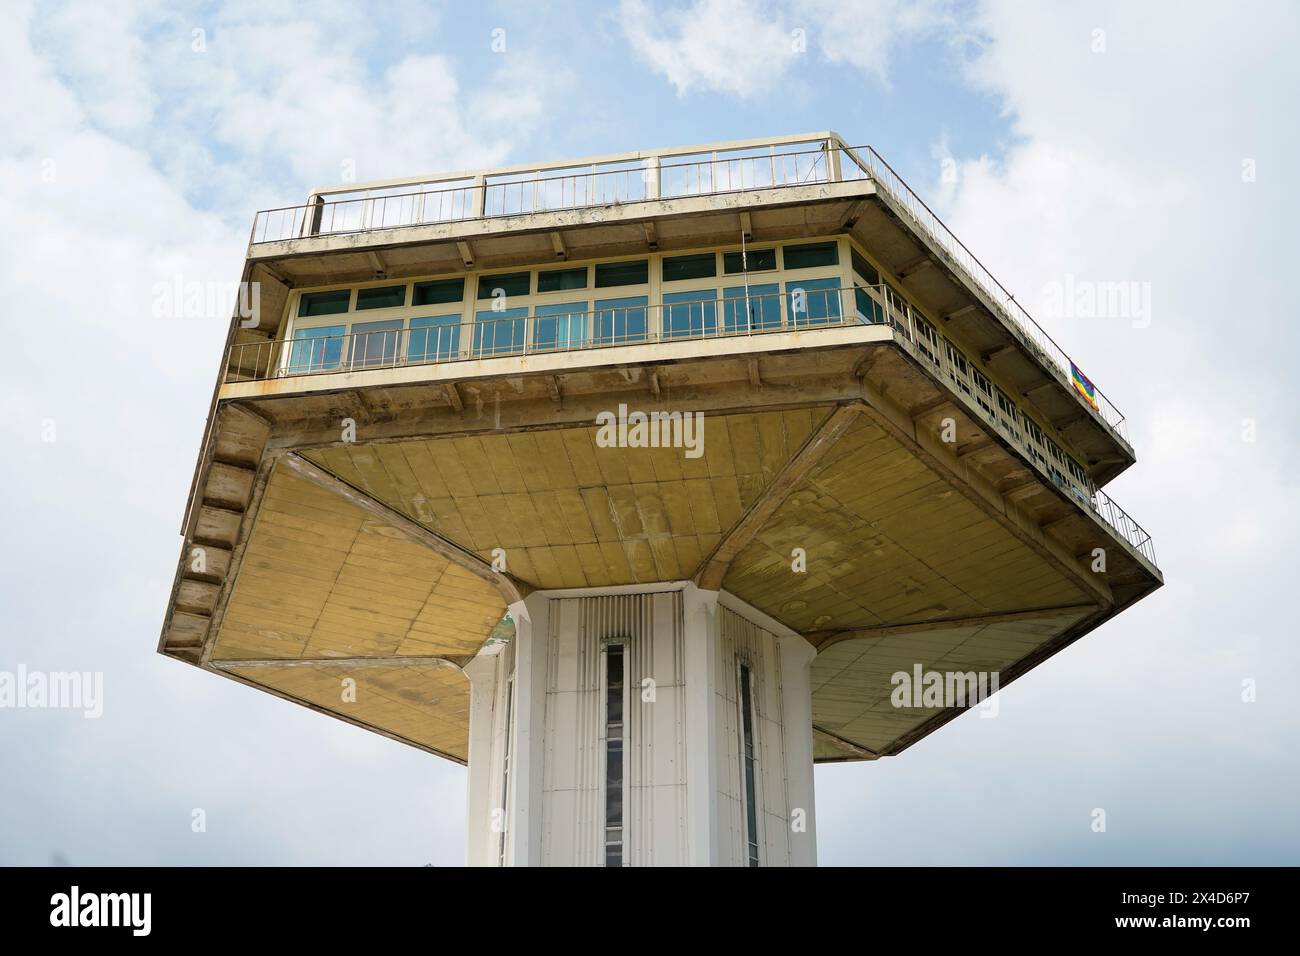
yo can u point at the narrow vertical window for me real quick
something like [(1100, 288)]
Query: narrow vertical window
[(747, 764), (505, 773), (614, 755)]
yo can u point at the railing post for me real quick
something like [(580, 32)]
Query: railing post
[(833, 172), (317, 204), (480, 196), (652, 178)]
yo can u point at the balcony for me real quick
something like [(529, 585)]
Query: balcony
[(640, 179), (737, 317)]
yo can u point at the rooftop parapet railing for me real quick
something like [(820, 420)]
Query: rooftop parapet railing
[(1051, 354), (669, 174), (451, 339), (648, 177)]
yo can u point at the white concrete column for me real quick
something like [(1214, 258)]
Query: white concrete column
[(796, 715), (524, 815), (538, 705), (700, 621), (484, 685)]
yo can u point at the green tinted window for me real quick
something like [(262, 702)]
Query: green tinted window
[(510, 283), (760, 260), (439, 292), (555, 280), (811, 255), (315, 349), (622, 273), (864, 268), (324, 303), (690, 267), (384, 297)]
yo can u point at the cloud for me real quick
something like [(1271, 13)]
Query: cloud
[(1127, 165), (722, 45), (862, 34), (100, 49), (128, 166), (746, 48)]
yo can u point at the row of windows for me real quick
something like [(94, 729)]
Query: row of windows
[(438, 338), (994, 401), (566, 325), (577, 324), (605, 275)]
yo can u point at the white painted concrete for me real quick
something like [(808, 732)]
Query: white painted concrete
[(684, 796)]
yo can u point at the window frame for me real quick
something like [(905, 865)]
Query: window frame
[(712, 277), (750, 767), (815, 295), (733, 298), (619, 304), (509, 707), (463, 279), (355, 338), (832, 243), (553, 314), (649, 261), (749, 250), (457, 325), (621, 643), (305, 294), (706, 296), (357, 308), (479, 288), (586, 286), (326, 333)]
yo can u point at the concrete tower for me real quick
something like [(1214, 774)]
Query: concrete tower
[(642, 483)]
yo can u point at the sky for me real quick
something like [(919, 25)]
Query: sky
[(1085, 143)]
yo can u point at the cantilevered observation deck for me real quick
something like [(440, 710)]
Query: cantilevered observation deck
[(404, 444)]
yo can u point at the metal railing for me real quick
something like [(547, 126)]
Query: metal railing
[(667, 174), (449, 339), (1050, 354), (916, 334), (554, 189), (493, 334)]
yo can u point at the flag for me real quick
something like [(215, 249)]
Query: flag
[(1084, 387)]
